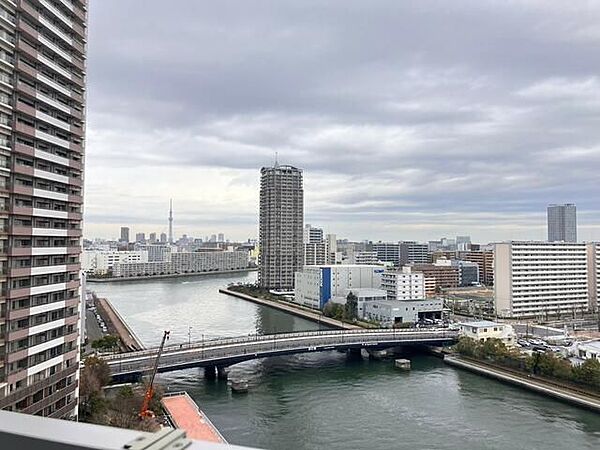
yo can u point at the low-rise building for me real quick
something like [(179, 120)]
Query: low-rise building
[(363, 296), (485, 329), (393, 312), (588, 350), (316, 285)]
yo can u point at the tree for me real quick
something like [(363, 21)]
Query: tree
[(588, 373), (467, 346), (333, 310), (108, 342), (351, 307), (94, 376)]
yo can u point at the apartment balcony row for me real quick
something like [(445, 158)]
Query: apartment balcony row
[(52, 19), (55, 398), (34, 73), (36, 94), (66, 17), (47, 175), (43, 251), (72, 72), (29, 150), (21, 374), (76, 8), (40, 347), (46, 193), (76, 129), (43, 212), (46, 232), (20, 394), (33, 329), (32, 132), (15, 272), (42, 289)]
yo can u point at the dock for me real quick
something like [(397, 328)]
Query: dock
[(116, 324), (185, 415)]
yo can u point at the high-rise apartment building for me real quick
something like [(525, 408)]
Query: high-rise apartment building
[(535, 279), (280, 226), (562, 223), (388, 252), (124, 234), (403, 285), (42, 107), (413, 253)]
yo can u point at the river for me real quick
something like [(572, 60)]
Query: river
[(328, 401)]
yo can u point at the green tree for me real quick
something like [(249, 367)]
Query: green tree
[(351, 307), (94, 376), (468, 347), (333, 310), (108, 342), (588, 373)]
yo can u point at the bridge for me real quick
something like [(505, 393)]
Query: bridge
[(224, 352)]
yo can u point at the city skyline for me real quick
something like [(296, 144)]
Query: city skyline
[(431, 136)]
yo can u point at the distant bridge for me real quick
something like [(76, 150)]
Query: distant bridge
[(224, 352)]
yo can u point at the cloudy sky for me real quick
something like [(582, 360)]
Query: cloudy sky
[(411, 119)]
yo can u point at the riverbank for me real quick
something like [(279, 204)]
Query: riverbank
[(523, 381), (171, 275), (116, 324), (305, 314)]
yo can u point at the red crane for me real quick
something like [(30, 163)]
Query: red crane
[(144, 411)]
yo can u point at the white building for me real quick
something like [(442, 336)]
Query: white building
[(588, 350), (365, 258), (316, 285), (363, 295), (540, 278), (403, 285), (484, 330), (100, 263), (393, 312), (185, 262)]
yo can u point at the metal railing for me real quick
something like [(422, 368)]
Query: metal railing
[(257, 346)]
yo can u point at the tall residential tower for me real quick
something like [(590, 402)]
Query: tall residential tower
[(281, 226), (562, 223), (42, 108)]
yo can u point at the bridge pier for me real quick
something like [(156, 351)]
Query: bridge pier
[(210, 372), (222, 372)]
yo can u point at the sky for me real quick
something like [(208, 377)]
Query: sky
[(410, 119)]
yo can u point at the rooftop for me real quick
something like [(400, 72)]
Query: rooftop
[(481, 324)]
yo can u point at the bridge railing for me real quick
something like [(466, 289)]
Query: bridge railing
[(135, 362), (214, 342)]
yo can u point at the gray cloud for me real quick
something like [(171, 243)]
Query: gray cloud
[(409, 118)]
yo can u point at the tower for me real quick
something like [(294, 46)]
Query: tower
[(562, 223), (42, 134), (171, 221), (280, 226)]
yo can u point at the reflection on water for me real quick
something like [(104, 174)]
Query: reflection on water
[(330, 401)]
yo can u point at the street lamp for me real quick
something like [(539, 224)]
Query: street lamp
[(189, 336)]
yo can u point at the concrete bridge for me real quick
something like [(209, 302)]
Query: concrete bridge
[(220, 353)]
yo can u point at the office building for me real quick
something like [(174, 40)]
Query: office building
[(387, 252), (221, 237), (562, 223), (280, 226), (42, 91), (485, 263), (316, 285), (463, 243), (413, 253), (124, 235), (140, 238), (438, 276), (403, 285), (316, 250), (163, 238), (152, 238), (539, 279)]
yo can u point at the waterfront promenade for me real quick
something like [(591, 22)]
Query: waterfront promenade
[(313, 316), (522, 380), (119, 326)]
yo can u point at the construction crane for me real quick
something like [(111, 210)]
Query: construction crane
[(145, 412)]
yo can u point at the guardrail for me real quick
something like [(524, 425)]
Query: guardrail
[(239, 349)]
